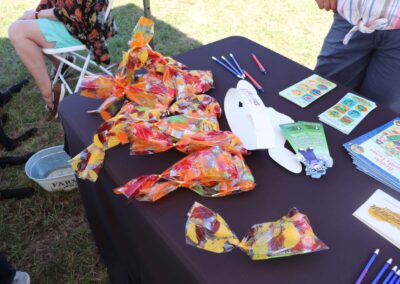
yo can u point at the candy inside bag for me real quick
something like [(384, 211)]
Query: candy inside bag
[(88, 163), (290, 235), (145, 137), (202, 140), (199, 104), (166, 79), (212, 172), (133, 126)]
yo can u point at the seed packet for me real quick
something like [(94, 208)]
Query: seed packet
[(347, 113), (309, 142), (308, 90)]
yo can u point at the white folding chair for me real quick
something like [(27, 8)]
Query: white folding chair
[(62, 53)]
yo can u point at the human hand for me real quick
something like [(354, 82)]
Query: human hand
[(328, 5), (28, 15)]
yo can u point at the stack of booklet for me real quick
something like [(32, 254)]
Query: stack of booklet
[(377, 153)]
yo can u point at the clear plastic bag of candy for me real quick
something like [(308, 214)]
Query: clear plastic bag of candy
[(290, 235)]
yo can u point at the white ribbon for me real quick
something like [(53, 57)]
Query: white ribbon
[(368, 28)]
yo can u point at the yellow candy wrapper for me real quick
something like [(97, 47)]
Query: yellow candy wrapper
[(290, 235)]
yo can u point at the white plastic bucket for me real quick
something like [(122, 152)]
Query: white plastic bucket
[(50, 168)]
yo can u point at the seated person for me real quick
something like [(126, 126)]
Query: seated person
[(58, 24)]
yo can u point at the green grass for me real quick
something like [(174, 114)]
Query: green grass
[(47, 235)]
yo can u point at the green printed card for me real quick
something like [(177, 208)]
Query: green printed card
[(310, 89), (347, 113)]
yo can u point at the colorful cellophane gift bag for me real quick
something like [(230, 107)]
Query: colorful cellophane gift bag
[(290, 235)]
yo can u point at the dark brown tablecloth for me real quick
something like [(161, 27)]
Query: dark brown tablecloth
[(145, 242)]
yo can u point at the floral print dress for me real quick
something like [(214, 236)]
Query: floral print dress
[(85, 20)]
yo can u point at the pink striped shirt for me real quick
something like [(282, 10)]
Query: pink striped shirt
[(370, 15)]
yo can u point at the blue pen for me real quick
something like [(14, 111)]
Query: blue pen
[(230, 65), (237, 64), (225, 66), (382, 271), (390, 274), (368, 266), (395, 279)]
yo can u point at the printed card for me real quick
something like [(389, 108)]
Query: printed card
[(381, 213), (310, 89), (347, 113)]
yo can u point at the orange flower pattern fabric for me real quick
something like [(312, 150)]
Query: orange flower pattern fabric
[(86, 21)]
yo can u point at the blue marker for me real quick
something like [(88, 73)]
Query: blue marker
[(395, 279), (237, 64), (230, 65), (390, 274), (382, 271), (226, 67), (368, 266)]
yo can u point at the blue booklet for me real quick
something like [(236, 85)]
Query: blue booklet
[(377, 153)]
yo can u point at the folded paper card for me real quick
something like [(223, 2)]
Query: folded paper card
[(279, 153), (381, 213), (258, 126), (290, 235), (248, 118)]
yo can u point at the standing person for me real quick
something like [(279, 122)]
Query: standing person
[(58, 24), (362, 48)]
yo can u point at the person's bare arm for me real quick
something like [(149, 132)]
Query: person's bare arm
[(328, 5), (42, 14)]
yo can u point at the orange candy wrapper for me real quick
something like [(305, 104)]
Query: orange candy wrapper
[(194, 114), (199, 141), (145, 138), (215, 166), (166, 78), (199, 104), (212, 172), (290, 235)]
